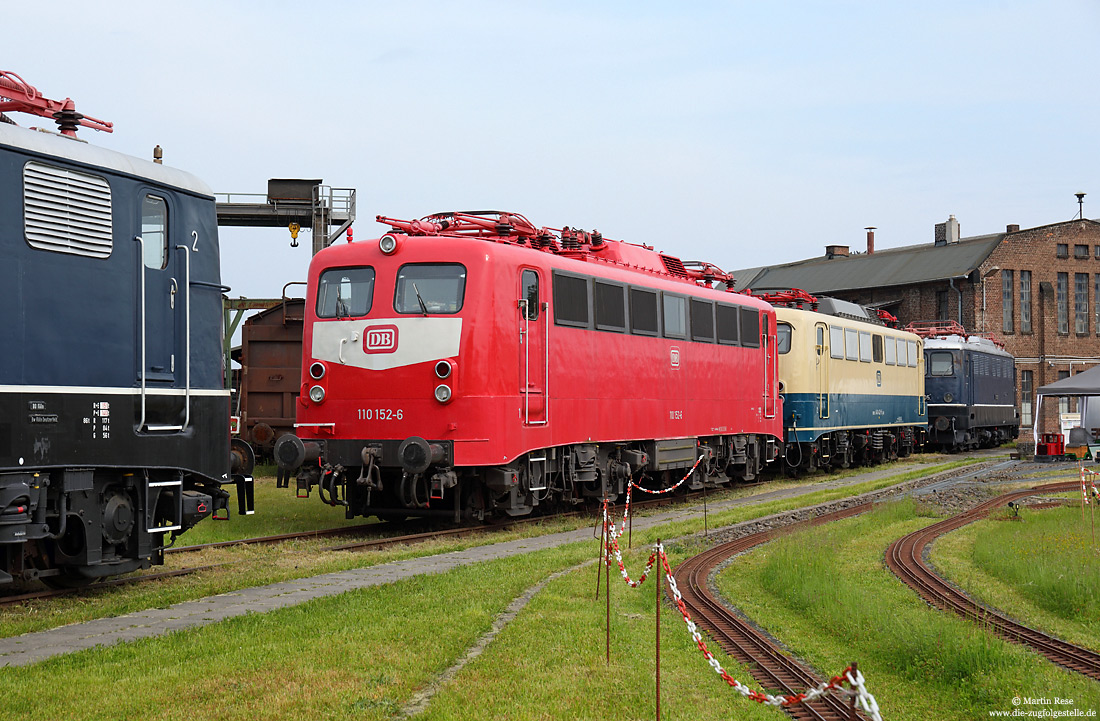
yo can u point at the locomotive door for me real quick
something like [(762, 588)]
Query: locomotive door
[(534, 349), (821, 332), (770, 370), (161, 296)]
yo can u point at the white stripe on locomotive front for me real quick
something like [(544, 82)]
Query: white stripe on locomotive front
[(419, 340)]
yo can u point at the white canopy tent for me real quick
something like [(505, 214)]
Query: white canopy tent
[(1084, 385)]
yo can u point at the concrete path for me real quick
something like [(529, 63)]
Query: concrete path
[(34, 647)]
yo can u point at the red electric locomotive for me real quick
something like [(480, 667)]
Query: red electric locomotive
[(467, 364)]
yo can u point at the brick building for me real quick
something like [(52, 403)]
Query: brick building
[(1037, 289)]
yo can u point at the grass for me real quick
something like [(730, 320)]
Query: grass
[(1042, 569), (826, 594), (362, 655), (255, 565)]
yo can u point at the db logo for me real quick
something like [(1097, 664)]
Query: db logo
[(674, 357), (380, 339)]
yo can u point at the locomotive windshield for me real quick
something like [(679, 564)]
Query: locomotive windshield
[(783, 337), (345, 292), (940, 363), (425, 288)]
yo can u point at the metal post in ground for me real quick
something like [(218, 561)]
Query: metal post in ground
[(852, 702), (658, 582), (603, 549), (607, 592), (705, 530)]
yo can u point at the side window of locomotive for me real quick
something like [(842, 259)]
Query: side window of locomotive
[(675, 315), (750, 327), (154, 231), (940, 364), (530, 282), (643, 311), (876, 348), (424, 288), (891, 351), (901, 352), (851, 344), (702, 320), (610, 307), (783, 337), (865, 346), (913, 351), (67, 212), (836, 342), (570, 300), (345, 292), (726, 317)]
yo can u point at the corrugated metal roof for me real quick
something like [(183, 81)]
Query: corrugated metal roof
[(883, 268)]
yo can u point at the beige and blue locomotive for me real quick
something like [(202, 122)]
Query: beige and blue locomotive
[(853, 388)]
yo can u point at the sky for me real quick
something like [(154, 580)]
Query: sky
[(738, 133)]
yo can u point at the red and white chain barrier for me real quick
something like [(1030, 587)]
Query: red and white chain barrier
[(864, 700), (853, 677), (613, 536), (1090, 485)]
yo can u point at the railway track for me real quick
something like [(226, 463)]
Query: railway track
[(769, 665), (905, 557)]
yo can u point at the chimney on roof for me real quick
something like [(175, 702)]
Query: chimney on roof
[(836, 251), (870, 239), (1012, 228), (947, 232)]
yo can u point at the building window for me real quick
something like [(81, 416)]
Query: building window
[(1025, 301), (941, 305), (1026, 382), (1063, 303), (1080, 302), (1081, 252), (1096, 308), (1097, 251), (1063, 402), (1007, 301), (1063, 250)]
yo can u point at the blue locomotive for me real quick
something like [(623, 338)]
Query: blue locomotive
[(971, 387), (114, 433)]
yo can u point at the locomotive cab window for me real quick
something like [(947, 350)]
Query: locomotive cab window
[(940, 363), (702, 320), (345, 292), (154, 232), (727, 326), (783, 337), (530, 290), (425, 288), (675, 315), (570, 300), (610, 307), (643, 311)]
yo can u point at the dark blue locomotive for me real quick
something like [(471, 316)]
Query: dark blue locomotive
[(114, 432), (970, 382)]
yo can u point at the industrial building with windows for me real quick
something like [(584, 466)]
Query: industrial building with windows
[(1035, 289)]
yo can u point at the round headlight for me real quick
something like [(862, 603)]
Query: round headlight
[(443, 393), (387, 244), (316, 394), (317, 370), (443, 369), (947, 397)]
